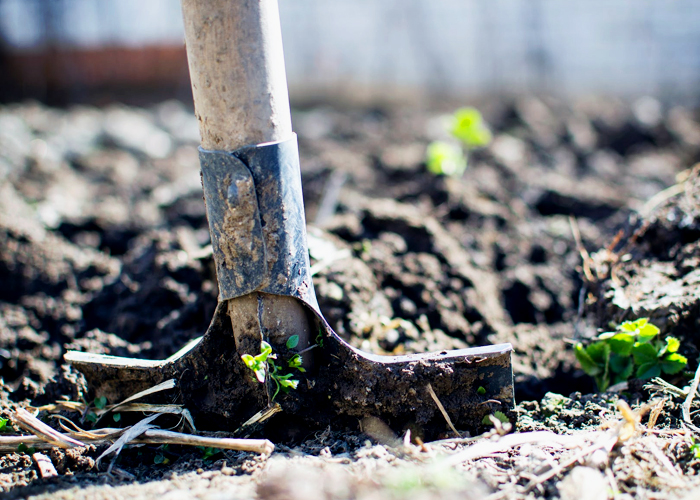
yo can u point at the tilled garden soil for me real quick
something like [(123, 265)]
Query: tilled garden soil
[(103, 248)]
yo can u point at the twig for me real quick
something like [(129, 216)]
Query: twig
[(46, 433), (442, 409), (689, 401), (151, 436), (158, 436)]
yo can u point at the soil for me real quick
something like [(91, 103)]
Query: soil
[(103, 248)]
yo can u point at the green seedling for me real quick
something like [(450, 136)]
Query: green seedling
[(264, 364), (319, 338), (694, 447), (23, 448), (445, 158), (481, 391), (100, 402), (632, 350), (3, 424), (208, 452), (497, 414), (469, 129)]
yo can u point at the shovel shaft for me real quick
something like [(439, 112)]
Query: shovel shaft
[(239, 85)]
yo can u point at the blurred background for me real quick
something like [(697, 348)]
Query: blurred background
[(62, 51)]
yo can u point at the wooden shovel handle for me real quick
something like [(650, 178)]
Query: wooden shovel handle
[(236, 61)]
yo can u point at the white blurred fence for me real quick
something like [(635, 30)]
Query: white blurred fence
[(621, 47)]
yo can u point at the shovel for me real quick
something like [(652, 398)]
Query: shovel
[(268, 346)]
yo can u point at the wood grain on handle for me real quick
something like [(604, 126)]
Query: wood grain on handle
[(234, 51)]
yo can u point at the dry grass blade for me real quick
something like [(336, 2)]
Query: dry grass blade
[(442, 410), (163, 386), (689, 401), (130, 434), (32, 424)]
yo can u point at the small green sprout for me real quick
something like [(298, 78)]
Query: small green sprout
[(100, 402), (161, 459), (694, 447), (259, 363), (23, 448), (3, 424), (468, 131), (633, 349), (319, 338), (445, 158), (264, 364), (497, 414), (295, 362), (208, 452), (117, 417), (481, 391), (469, 127)]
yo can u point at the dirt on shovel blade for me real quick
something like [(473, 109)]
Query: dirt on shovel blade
[(103, 248)]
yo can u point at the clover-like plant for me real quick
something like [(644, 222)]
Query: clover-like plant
[(265, 364), (633, 349)]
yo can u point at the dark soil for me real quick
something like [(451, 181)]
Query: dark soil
[(103, 242)]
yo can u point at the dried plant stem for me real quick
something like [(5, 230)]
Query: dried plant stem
[(43, 431), (689, 401), (442, 410), (149, 436)]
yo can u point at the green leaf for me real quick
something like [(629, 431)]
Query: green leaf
[(444, 158), (265, 352), (248, 360), (586, 361), (260, 374), (599, 352), (648, 332), (501, 416), (23, 448), (292, 341), (481, 391), (117, 417), (289, 384), (644, 353), (633, 326), (295, 362), (622, 366), (621, 343), (673, 363), (91, 417), (159, 459), (498, 414), (648, 370), (468, 126), (672, 344), (100, 402), (3, 424)]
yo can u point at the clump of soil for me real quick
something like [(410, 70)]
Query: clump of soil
[(103, 240)]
